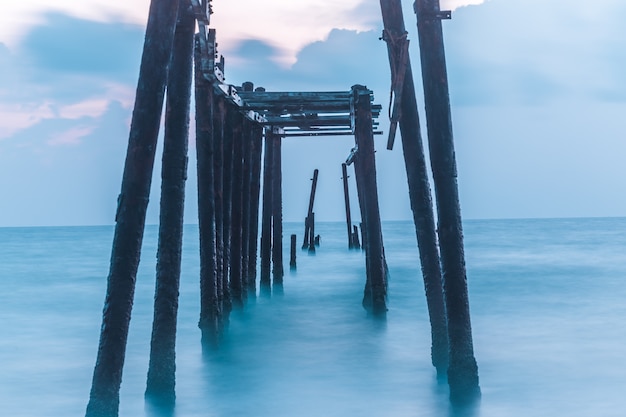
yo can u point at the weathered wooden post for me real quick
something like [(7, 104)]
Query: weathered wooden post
[(346, 197), (463, 370), (161, 380), (237, 289), (255, 189), (209, 129), (292, 258), (419, 188), (246, 199), (277, 207), (308, 221), (366, 168), (232, 128), (266, 225), (131, 211)]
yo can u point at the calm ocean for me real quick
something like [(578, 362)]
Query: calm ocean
[(548, 303)]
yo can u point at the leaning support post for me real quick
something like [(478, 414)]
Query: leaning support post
[(346, 198), (277, 208), (366, 163), (419, 188), (463, 370), (266, 225), (161, 380), (131, 210)]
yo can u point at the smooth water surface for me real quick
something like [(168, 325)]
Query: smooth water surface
[(548, 314)]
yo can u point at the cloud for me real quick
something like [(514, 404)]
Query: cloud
[(288, 25), (507, 52), (69, 45), (71, 136), (18, 18), (455, 4), (17, 117)]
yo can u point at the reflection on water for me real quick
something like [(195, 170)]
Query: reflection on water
[(547, 313)]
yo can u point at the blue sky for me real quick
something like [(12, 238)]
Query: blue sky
[(537, 89)]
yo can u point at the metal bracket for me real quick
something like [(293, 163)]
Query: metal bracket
[(353, 153), (433, 15)]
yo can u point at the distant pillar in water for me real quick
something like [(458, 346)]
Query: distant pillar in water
[(463, 370), (292, 258), (266, 226), (161, 379), (356, 244), (366, 169), (346, 197), (308, 221), (417, 176), (277, 209), (311, 220), (131, 211)]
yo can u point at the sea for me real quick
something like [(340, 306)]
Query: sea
[(547, 301)]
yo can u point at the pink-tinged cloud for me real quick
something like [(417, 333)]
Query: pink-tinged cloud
[(16, 117), (455, 4), (71, 137), (87, 108), (288, 25)]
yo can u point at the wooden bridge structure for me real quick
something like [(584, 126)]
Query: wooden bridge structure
[(239, 131)]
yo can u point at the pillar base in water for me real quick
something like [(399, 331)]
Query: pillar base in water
[(463, 381)]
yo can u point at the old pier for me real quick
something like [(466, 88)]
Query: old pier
[(239, 135)]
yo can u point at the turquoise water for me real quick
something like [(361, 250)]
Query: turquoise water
[(548, 314)]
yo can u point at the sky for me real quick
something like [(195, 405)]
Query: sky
[(537, 91)]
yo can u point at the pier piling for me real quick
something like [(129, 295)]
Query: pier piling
[(417, 177), (463, 370), (161, 379), (132, 206)]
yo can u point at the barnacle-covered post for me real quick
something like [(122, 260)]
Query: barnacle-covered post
[(237, 289), (407, 116), (278, 271), (463, 370), (255, 190), (266, 221), (132, 206), (375, 299), (160, 387)]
